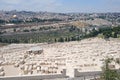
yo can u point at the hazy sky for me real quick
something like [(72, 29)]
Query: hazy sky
[(62, 5)]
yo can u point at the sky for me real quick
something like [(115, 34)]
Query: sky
[(62, 6)]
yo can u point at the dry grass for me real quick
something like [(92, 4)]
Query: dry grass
[(79, 24)]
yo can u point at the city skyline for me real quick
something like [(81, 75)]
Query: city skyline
[(62, 5)]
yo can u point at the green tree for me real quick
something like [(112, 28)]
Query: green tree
[(25, 30), (55, 40), (61, 39), (109, 74), (66, 39), (14, 30), (115, 35), (107, 34)]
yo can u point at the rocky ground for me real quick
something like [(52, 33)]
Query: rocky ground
[(85, 55)]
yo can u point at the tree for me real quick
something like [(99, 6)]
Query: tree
[(78, 38), (109, 74), (33, 30), (60, 39), (2, 21), (55, 40), (107, 34), (14, 30), (72, 28), (69, 39), (66, 39), (73, 38), (25, 30), (115, 35)]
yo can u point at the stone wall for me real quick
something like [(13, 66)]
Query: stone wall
[(80, 74), (36, 77)]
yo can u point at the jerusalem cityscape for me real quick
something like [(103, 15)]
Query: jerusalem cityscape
[(59, 40)]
